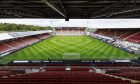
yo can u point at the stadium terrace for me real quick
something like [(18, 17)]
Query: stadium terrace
[(69, 42), (69, 52)]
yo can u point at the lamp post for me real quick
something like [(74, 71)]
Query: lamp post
[(51, 24)]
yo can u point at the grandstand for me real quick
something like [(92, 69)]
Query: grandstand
[(16, 40), (127, 39), (70, 31), (61, 56), (69, 55), (55, 57)]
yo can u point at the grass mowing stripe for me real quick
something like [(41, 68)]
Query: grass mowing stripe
[(56, 46), (51, 48)]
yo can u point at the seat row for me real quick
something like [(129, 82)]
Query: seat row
[(128, 35), (63, 77), (15, 44)]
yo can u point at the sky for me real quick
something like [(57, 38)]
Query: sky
[(90, 23)]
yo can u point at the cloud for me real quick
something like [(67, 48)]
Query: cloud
[(91, 23)]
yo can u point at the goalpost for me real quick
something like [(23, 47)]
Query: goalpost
[(71, 56)]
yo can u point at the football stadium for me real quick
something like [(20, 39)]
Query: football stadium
[(69, 42)]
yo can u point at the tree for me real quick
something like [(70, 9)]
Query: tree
[(21, 27)]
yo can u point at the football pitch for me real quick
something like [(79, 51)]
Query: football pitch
[(69, 48)]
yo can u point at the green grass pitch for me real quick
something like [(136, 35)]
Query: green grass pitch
[(56, 47)]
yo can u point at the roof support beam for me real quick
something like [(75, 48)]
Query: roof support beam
[(121, 12), (54, 7), (106, 8), (125, 9), (62, 6), (17, 11)]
